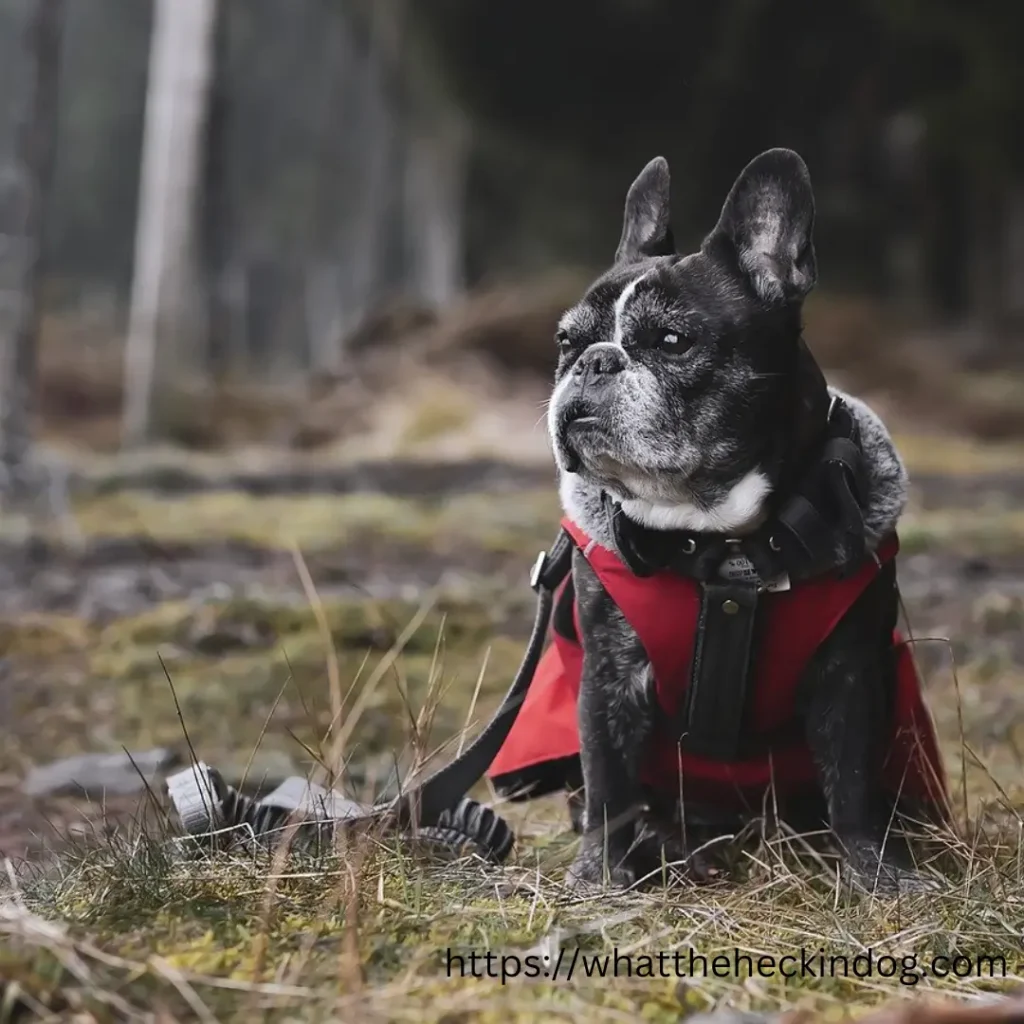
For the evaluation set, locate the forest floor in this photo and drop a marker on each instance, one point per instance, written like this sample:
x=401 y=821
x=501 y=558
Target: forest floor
x=179 y=585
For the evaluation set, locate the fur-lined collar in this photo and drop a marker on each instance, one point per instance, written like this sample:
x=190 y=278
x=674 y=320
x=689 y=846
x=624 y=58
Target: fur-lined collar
x=886 y=479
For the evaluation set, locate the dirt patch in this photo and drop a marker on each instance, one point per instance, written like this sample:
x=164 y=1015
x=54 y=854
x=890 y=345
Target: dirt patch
x=396 y=477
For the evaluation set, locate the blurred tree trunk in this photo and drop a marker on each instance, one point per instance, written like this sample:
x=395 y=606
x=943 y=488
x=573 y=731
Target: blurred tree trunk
x=361 y=131
x=1015 y=266
x=421 y=134
x=436 y=181
x=165 y=277
x=22 y=221
x=989 y=263
x=945 y=232
x=215 y=220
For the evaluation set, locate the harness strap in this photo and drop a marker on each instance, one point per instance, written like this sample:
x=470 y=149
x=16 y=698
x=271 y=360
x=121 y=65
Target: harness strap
x=807 y=529
x=817 y=529
x=711 y=720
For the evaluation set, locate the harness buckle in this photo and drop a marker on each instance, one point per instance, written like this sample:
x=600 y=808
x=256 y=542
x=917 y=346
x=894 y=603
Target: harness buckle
x=538 y=570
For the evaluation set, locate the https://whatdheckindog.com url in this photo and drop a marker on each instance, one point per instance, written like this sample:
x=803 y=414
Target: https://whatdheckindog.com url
x=570 y=963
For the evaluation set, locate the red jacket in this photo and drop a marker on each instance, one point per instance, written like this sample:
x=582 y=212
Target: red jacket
x=662 y=609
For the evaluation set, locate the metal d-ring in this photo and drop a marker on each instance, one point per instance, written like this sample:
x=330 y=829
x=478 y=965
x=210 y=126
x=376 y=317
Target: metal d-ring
x=774 y=544
x=689 y=546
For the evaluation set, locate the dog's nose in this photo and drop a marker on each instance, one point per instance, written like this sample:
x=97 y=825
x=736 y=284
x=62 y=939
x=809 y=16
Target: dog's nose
x=603 y=361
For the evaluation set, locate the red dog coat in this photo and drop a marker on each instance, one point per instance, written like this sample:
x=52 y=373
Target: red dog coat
x=662 y=609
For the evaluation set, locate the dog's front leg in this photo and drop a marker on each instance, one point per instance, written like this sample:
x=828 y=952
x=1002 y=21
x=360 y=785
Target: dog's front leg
x=614 y=722
x=848 y=718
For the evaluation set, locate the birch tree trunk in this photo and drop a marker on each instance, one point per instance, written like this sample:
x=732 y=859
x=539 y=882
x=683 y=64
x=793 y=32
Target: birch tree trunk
x=166 y=276
x=23 y=202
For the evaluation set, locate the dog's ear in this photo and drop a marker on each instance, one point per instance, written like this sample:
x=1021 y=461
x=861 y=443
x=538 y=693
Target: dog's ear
x=768 y=221
x=645 y=230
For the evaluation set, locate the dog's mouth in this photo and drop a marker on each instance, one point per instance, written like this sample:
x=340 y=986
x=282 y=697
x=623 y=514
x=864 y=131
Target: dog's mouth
x=577 y=415
x=576 y=420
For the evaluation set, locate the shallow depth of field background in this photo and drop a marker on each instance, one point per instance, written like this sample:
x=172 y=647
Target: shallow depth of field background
x=388 y=207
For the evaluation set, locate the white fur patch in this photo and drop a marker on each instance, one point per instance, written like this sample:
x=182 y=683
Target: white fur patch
x=620 y=307
x=738 y=510
x=643 y=680
x=552 y=417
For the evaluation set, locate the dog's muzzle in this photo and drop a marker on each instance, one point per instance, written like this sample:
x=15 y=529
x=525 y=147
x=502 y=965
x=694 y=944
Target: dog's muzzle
x=576 y=417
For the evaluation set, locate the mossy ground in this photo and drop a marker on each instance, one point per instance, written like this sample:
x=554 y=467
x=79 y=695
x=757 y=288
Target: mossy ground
x=122 y=922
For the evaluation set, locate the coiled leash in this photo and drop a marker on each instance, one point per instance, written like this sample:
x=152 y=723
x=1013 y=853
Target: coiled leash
x=437 y=811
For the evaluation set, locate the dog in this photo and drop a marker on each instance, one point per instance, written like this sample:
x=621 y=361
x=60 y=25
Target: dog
x=688 y=421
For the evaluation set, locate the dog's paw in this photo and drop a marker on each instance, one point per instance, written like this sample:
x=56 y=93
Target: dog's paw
x=593 y=870
x=889 y=882
x=661 y=850
x=868 y=870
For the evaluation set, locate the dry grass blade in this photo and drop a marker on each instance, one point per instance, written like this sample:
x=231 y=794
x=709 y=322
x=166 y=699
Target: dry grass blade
x=464 y=732
x=333 y=669
x=184 y=989
x=382 y=668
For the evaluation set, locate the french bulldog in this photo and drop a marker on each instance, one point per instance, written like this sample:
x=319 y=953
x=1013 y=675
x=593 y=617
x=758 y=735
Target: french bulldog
x=686 y=400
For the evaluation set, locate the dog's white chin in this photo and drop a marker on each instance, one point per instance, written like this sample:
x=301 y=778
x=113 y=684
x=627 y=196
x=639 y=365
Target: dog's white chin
x=740 y=511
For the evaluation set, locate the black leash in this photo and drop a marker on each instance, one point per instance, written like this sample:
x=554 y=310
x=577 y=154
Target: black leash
x=438 y=809
x=819 y=528
x=428 y=802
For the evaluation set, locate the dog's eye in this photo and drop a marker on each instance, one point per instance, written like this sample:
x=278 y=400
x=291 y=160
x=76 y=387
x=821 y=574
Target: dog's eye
x=563 y=341
x=670 y=340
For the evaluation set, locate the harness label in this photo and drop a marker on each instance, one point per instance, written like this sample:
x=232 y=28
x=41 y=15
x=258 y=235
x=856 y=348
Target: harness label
x=740 y=568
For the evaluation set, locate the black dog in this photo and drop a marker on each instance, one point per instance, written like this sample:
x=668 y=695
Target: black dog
x=691 y=425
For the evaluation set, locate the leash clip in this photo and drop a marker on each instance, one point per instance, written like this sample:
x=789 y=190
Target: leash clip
x=538 y=570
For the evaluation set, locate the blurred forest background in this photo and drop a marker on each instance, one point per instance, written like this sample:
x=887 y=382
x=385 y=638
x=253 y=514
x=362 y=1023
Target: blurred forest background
x=329 y=176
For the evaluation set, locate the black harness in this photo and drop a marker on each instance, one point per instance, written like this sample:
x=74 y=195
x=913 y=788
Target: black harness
x=817 y=528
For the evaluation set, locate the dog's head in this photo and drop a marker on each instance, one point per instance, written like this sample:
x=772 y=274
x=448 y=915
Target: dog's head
x=678 y=389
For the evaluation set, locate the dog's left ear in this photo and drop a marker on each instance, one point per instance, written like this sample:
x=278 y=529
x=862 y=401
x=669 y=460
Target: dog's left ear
x=645 y=228
x=768 y=222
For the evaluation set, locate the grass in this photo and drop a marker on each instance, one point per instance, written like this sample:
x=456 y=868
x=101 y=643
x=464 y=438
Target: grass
x=124 y=923
x=956 y=455
x=984 y=532
x=368 y=932
x=521 y=519
x=209 y=922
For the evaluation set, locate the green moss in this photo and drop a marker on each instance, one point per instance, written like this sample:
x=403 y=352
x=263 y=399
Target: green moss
x=438 y=413
x=964 y=531
x=42 y=635
x=231 y=665
x=511 y=521
x=957 y=456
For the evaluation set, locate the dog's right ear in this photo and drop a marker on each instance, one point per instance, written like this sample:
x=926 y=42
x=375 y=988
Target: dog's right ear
x=768 y=224
x=645 y=230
